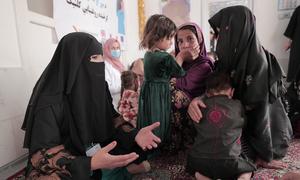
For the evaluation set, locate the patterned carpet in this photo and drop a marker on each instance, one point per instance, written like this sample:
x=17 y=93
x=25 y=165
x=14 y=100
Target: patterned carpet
x=172 y=167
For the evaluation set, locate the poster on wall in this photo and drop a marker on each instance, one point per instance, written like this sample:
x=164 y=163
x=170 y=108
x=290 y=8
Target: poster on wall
x=284 y=5
x=177 y=10
x=103 y=19
x=286 y=8
x=216 y=6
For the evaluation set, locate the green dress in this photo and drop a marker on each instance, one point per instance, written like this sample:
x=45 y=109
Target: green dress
x=155 y=99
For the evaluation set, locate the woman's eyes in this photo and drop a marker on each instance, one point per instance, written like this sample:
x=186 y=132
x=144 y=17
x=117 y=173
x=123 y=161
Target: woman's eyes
x=96 y=58
x=115 y=48
x=191 y=39
x=188 y=39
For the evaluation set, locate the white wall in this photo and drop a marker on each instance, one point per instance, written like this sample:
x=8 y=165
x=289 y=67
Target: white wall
x=132 y=51
x=35 y=46
x=270 y=29
x=268 y=26
x=36 y=42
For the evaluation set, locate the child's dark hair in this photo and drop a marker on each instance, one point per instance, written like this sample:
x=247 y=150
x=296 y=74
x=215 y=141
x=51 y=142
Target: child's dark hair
x=157 y=27
x=218 y=81
x=127 y=80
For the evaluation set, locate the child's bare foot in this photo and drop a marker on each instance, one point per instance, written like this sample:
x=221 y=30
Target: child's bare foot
x=139 y=168
x=291 y=176
x=245 y=176
x=274 y=164
x=199 y=176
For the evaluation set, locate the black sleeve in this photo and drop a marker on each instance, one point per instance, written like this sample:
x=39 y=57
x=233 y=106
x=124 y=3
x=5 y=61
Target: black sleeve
x=46 y=134
x=45 y=130
x=115 y=114
x=290 y=30
x=170 y=65
x=126 y=139
x=80 y=167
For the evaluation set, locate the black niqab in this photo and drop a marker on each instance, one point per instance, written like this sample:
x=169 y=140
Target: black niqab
x=71 y=79
x=257 y=79
x=293 y=32
x=241 y=54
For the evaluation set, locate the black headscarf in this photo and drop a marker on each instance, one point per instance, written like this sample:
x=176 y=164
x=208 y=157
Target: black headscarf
x=257 y=80
x=241 y=54
x=71 y=79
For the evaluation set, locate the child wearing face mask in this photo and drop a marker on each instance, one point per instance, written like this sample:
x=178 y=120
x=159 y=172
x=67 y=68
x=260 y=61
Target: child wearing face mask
x=113 y=68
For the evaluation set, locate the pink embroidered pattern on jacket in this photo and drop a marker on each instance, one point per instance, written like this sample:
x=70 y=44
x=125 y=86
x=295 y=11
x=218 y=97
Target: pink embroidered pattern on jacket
x=215 y=116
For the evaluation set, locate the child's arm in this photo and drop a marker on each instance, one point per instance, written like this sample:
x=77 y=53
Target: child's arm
x=171 y=65
x=182 y=55
x=179 y=60
x=191 y=53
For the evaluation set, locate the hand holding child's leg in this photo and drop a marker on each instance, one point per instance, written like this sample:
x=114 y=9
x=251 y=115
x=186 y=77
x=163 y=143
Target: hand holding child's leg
x=199 y=176
x=245 y=176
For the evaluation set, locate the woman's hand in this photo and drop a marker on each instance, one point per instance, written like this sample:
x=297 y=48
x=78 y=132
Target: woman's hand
x=103 y=160
x=194 y=109
x=145 y=137
x=195 y=51
x=287 y=44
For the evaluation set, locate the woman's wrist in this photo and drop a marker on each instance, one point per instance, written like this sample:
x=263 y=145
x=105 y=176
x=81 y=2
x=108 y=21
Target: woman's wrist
x=93 y=164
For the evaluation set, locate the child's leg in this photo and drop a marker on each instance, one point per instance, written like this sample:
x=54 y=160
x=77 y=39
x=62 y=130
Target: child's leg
x=245 y=176
x=290 y=176
x=139 y=168
x=199 y=176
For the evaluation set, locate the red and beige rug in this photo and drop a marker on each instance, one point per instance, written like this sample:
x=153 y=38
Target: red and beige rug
x=173 y=167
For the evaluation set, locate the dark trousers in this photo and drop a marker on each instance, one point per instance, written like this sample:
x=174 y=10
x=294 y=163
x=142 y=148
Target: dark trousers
x=219 y=168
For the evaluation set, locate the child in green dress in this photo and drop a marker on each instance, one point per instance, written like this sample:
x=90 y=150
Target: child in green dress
x=159 y=67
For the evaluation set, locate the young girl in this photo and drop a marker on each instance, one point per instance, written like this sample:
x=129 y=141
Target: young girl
x=159 y=66
x=128 y=106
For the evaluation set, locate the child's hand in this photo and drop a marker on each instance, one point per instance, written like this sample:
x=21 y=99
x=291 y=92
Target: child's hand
x=173 y=81
x=184 y=55
x=189 y=53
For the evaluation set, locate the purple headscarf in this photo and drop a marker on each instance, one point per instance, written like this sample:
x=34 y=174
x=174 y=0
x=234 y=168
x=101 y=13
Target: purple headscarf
x=193 y=84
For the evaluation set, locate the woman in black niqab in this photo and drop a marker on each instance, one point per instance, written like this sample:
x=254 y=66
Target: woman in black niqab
x=70 y=110
x=66 y=78
x=257 y=79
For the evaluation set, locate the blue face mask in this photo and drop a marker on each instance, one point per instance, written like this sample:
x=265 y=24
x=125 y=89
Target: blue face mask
x=116 y=53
